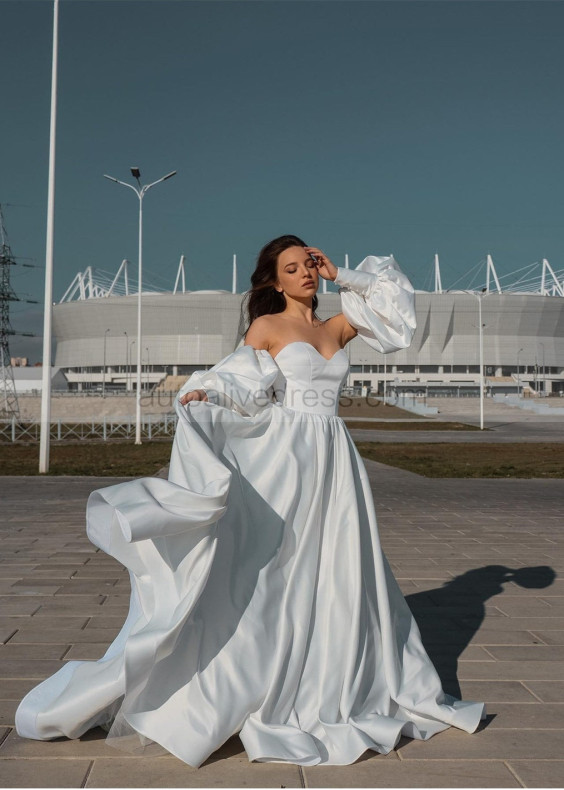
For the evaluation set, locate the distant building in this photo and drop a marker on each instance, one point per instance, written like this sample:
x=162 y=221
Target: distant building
x=29 y=379
x=523 y=335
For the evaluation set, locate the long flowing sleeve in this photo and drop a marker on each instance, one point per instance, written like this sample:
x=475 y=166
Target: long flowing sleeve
x=379 y=301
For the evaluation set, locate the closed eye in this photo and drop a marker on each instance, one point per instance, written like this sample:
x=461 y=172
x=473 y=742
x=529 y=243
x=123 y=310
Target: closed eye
x=310 y=264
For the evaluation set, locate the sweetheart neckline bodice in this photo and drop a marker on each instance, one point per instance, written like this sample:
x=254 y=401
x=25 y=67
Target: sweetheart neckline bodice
x=304 y=342
x=308 y=381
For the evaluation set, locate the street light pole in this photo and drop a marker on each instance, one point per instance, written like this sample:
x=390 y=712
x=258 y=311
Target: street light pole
x=104 y=366
x=479 y=298
x=543 y=373
x=45 y=434
x=147 y=377
x=481 y=336
x=126 y=359
x=481 y=352
x=518 y=375
x=140 y=191
x=130 y=358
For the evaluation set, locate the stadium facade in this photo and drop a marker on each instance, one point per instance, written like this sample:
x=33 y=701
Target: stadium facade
x=95 y=325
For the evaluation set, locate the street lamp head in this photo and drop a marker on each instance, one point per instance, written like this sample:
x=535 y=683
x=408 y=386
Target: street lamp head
x=170 y=175
x=135 y=172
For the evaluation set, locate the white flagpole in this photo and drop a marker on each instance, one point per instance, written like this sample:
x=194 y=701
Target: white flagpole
x=47 y=319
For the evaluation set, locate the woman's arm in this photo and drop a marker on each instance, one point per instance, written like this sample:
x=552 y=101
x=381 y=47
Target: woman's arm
x=258 y=334
x=328 y=271
x=377 y=300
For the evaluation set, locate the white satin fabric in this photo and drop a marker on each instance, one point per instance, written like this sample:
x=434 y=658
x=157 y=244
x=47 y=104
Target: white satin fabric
x=261 y=600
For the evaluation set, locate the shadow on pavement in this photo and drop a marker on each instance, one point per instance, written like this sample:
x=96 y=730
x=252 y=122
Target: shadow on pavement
x=449 y=616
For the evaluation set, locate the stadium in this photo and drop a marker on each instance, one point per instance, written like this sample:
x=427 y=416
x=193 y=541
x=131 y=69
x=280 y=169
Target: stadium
x=522 y=319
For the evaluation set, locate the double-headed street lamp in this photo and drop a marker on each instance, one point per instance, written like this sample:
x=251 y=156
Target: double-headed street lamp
x=140 y=191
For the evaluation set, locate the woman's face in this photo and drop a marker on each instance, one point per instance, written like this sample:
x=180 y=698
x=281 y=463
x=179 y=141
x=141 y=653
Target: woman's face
x=297 y=273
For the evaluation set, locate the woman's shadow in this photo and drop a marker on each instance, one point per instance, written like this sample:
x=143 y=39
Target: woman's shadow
x=449 y=616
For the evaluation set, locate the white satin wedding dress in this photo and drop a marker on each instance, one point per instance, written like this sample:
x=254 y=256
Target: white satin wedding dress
x=261 y=601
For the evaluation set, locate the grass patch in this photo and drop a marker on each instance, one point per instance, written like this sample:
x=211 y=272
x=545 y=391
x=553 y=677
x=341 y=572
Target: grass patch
x=470 y=460
x=125 y=459
x=102 y=459
x=428 y=425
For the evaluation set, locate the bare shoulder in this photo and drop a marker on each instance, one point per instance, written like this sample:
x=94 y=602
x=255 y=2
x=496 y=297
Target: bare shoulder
x=260 y=332
x=339 y=327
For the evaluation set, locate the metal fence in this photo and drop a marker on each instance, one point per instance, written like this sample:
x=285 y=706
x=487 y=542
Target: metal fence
x=101 y=429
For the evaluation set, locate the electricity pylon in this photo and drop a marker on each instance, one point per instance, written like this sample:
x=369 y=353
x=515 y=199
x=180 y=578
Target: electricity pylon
x=8 y=397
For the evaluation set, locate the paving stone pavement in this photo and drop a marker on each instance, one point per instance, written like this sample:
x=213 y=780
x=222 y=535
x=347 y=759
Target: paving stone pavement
x=481 y=563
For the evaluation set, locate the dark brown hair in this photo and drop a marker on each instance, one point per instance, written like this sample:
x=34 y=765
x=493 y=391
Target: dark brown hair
x=263 y=298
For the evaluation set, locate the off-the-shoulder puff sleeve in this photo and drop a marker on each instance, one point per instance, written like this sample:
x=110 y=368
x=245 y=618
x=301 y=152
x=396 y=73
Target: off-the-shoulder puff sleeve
x=379 y=301
x=245 y=381
x=195 y=494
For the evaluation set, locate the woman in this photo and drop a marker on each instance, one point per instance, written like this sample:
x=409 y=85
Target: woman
x=261 y=600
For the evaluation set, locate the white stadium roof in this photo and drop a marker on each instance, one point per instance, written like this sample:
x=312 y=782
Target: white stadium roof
x=536 y=278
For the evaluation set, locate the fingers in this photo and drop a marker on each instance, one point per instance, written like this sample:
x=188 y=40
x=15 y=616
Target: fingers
x=193 y=395
x=318 y=254
x=326 y=265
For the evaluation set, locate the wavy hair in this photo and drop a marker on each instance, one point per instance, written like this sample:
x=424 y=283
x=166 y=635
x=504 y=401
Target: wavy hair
x=263 y=298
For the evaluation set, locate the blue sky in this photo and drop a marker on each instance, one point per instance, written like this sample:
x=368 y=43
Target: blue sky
x=363 y=126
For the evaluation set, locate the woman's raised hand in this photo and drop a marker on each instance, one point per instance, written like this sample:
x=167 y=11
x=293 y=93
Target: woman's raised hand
x=193 y=395
x=325 y=267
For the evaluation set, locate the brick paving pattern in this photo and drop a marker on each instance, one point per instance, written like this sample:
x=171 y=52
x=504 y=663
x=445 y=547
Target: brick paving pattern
x=481 y=563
